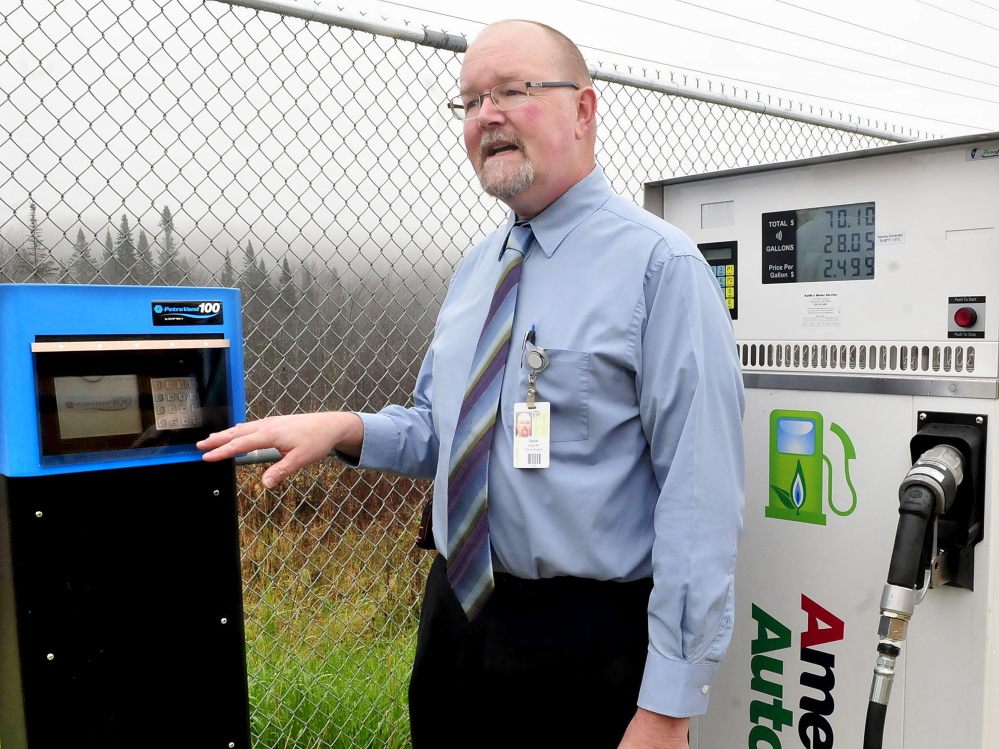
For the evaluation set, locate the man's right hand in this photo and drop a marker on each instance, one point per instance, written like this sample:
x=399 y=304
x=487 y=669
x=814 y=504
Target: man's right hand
x=301 y=439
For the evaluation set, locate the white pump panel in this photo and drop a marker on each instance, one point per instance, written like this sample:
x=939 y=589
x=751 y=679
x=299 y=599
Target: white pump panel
x=865 y=292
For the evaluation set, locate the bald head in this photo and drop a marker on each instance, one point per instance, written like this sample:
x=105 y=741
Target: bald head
x=564 y=54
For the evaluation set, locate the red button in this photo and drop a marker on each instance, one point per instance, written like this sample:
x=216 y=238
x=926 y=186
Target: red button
x=965 y=317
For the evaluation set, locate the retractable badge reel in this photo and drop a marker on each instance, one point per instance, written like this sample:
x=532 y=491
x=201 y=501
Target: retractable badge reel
x=536 y=360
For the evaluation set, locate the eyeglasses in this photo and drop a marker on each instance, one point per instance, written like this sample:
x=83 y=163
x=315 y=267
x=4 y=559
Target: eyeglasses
x=505 y=96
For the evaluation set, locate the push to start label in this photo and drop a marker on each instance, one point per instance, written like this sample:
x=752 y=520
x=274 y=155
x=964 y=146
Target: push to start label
x=187 y=313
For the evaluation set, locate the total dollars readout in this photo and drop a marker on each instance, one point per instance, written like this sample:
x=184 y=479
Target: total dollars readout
x=844 y=243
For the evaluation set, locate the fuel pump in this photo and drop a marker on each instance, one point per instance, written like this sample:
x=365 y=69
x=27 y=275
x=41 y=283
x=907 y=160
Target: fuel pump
x=863 y=291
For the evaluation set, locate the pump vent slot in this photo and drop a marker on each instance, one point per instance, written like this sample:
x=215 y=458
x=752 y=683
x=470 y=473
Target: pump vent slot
x=900 y=358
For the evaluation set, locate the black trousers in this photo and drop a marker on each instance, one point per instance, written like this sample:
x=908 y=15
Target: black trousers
x=546 y=663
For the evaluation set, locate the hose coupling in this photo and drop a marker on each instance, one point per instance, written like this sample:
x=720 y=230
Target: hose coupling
x=941 y=470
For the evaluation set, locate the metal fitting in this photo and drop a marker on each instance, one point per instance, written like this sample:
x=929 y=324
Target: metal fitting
x=892 y=628
x=898 y=601
x=941 y=470
x=884 y=675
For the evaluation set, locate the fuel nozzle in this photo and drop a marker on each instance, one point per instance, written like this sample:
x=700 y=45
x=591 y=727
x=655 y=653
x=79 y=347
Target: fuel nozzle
x=927 y=490
x=941 y=508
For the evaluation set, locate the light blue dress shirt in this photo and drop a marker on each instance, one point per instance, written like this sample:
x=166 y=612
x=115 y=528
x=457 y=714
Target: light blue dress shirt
x=646 y=475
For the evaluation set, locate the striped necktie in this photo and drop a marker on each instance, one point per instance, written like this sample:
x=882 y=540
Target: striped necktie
x=469 y=557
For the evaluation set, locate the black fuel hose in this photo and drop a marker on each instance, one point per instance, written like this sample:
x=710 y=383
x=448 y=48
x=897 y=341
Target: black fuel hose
x=874 y=726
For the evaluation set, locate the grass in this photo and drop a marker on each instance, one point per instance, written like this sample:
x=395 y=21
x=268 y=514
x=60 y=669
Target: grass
x=331 y=589
x=352 y=697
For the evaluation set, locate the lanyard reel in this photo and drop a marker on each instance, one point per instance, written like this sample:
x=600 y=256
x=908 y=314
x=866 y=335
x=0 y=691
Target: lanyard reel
x=537 y=360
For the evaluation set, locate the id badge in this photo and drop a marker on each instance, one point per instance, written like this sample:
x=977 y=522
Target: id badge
x=531 y=430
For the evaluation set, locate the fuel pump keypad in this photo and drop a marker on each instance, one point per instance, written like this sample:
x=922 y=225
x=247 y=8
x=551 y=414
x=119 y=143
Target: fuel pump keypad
x=722 y=258
x=176 y=403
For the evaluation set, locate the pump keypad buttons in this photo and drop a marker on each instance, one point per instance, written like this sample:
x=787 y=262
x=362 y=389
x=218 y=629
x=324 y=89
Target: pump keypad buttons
x=723 y=259
x=176 y=403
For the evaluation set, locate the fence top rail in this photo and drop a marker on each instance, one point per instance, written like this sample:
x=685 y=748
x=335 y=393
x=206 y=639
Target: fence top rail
x=314 y=11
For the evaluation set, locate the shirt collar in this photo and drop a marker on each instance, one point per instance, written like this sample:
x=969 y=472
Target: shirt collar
x=577 y=204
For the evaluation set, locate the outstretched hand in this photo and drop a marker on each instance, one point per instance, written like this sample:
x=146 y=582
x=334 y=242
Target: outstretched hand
x=301 y=439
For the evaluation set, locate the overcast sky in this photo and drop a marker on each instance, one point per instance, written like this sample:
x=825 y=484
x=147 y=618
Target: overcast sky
x=115 y=108
x=923 y=64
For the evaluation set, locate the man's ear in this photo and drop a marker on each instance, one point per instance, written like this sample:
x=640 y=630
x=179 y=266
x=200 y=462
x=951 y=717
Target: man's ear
x=586 y=112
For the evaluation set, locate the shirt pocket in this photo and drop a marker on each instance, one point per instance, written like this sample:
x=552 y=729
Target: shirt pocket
x=565 y=384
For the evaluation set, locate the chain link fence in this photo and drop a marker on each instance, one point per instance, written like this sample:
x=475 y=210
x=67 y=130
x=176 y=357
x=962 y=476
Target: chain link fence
x=187 y=142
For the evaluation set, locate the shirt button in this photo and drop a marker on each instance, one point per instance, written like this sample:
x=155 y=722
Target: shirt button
x=705 y=689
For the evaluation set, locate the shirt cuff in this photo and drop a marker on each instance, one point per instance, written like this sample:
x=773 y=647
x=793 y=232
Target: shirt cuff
x=380 y=449
x=674 y=688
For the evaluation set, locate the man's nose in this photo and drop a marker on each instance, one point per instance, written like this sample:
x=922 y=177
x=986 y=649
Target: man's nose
x=489 y=113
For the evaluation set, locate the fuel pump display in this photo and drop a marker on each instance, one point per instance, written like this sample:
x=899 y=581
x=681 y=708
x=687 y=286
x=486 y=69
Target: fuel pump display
x=120 y=586
x=868 y=330
x=833 y=243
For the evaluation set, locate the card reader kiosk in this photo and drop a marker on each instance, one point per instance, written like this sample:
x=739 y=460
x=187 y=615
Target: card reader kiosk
x=121 y=618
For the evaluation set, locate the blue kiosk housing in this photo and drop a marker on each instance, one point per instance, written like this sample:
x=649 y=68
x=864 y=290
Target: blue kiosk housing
x=121 y=620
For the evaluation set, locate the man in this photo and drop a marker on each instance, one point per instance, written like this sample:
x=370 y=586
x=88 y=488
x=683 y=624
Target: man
x=523 y=427
x=629 y=349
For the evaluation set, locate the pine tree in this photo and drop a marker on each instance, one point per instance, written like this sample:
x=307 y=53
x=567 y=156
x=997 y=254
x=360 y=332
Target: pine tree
x=253 y=276
x=227 y=278
x=249 y=258
x=288 y=290
x=145 y=271
x=266 y=292
x=169 y=270
x=82 y=268
x=40 y=265
x=124 y=250
x=111 y=270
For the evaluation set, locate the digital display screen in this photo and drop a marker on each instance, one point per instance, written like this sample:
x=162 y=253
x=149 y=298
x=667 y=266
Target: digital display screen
x=718 y=253
x=97 y=397
x=830 y=243
x=98 y=406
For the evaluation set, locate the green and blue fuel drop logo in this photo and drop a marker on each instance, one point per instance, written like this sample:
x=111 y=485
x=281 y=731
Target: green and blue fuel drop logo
x=796 y=460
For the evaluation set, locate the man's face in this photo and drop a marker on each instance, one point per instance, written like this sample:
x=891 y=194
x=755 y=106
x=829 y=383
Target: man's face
x=523 y=425
x=528 y=156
